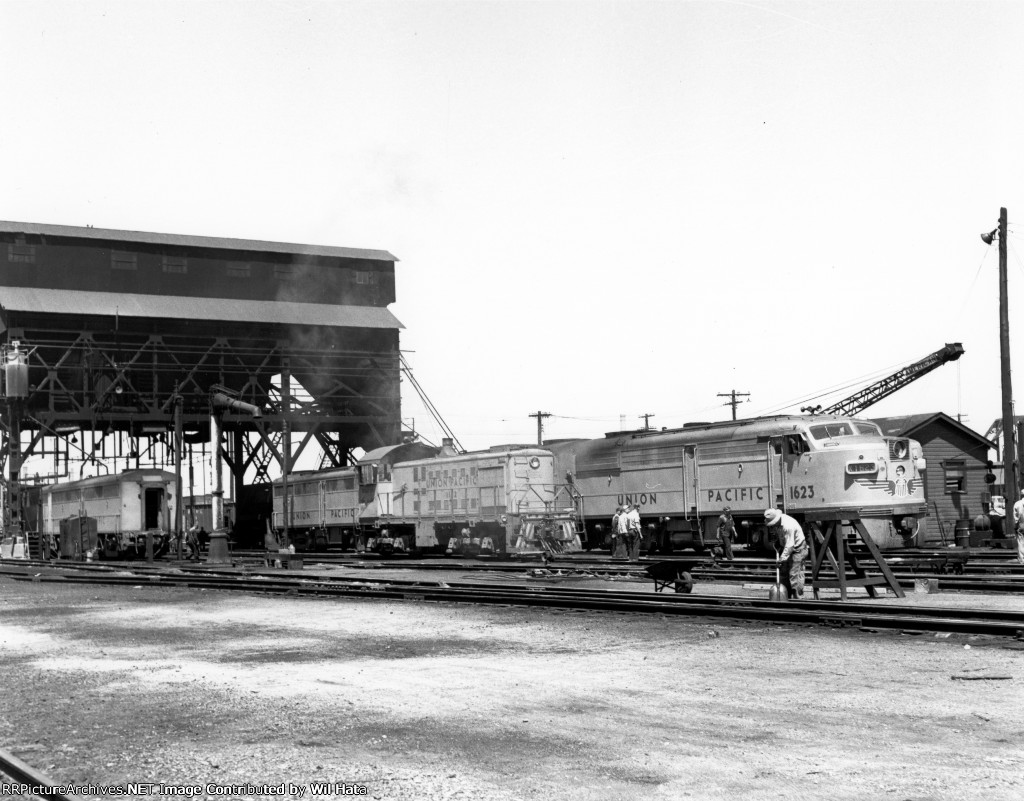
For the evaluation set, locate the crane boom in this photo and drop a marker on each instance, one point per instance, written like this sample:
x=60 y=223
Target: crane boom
x=868 y=396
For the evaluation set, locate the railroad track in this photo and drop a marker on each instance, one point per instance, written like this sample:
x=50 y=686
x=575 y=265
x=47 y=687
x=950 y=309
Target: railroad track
x=29 y=782
x=862 y=615
x=740 y=571
x=1007 y=580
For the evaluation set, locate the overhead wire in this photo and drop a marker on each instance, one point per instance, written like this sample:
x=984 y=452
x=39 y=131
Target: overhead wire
x=434 y=412
x=970 y=289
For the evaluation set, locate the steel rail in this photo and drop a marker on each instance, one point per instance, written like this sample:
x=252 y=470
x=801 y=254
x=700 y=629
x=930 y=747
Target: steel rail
x=861 y=615
x=754 y=572
x=38 y=785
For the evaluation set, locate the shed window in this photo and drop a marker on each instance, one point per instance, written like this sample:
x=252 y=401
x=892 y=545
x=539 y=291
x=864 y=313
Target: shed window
x=21 y=254
x=363 y=277
x=175 y=264
x=954 y=472
x=123 y=260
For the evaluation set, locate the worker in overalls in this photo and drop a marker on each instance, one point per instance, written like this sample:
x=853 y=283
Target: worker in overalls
x=792 y=543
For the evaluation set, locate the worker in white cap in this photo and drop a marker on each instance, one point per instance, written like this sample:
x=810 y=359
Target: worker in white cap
x=790 y=539
x=633 y=533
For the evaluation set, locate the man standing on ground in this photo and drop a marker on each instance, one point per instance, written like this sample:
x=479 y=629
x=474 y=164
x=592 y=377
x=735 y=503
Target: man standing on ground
x=634 y=534
x=1018 y=526
x=726 y=532
x=622 y=540
x=791 y=541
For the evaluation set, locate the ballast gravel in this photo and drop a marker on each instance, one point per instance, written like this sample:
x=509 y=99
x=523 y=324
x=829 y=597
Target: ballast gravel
x=189 y=693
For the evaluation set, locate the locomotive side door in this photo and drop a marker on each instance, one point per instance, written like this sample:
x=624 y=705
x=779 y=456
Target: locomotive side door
x=777 y=473
x=785 y=456
x=154 y=508
x=691 y=483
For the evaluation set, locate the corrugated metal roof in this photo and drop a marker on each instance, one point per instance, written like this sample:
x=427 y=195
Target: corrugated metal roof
x=177 y=307
x=179 y=240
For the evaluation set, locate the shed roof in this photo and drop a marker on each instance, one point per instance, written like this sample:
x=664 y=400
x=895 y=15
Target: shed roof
x=180 y=240
x=177 y=307
x=908 y=424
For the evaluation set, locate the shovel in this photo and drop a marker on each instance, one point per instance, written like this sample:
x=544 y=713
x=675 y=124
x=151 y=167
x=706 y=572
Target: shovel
x=777 y=592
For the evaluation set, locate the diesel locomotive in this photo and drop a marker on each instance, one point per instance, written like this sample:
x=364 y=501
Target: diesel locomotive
x=127 y=508
x=813 y=467
x=414 y=497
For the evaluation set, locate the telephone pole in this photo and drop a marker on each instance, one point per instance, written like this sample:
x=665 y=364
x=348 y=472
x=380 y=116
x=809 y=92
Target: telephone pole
x=647 y=424
x=1009 y=451
x=540 y=425
x=733 y=395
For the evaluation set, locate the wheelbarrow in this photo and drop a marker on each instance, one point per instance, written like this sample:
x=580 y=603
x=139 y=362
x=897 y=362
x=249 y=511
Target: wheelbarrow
x=675 y=573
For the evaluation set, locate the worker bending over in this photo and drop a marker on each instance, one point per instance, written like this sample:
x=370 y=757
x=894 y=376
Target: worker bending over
x=790 y=540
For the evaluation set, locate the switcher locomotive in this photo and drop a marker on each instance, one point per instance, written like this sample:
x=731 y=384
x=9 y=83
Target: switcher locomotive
x=413 y=497
x=128 y=507
x=812 y=467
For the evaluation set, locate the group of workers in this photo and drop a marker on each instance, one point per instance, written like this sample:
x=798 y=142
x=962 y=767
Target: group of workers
x=626 y=533
x=791 y=544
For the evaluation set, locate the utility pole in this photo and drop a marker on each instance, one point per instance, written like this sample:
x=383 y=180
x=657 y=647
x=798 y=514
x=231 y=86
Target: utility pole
x=647 y=417
x=540 y=425
x=733 y=395
x=1009 y=451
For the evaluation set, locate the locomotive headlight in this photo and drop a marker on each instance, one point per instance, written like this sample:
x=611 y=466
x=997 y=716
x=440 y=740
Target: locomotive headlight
x=534 y=462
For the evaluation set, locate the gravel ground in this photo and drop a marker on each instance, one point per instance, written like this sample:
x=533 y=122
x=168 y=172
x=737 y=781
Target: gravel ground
x=414 y=700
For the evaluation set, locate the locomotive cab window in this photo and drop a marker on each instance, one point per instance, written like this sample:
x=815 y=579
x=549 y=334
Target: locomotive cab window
x=832 y=430
x=790 y=445
x=367 y=474
x=796 y=444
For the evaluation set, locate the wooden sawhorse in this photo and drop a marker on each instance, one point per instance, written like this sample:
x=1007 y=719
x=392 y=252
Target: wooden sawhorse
x=827 y=541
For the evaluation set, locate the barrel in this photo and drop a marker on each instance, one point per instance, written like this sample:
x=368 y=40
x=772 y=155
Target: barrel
x=963 y=534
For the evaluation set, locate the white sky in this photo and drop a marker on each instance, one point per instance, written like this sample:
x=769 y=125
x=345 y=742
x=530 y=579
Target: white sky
x=601 y=209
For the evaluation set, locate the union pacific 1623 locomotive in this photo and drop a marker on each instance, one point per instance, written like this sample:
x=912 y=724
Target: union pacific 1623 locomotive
x=812 y=467
x=127 y=507
x=411 y=496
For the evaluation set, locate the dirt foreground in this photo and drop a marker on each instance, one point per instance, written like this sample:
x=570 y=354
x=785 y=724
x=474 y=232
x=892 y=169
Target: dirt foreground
x=231 y=696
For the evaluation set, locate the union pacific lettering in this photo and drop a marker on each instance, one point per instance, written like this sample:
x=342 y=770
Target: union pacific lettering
x=443 y=479
x=736 y=494
x=639 y=498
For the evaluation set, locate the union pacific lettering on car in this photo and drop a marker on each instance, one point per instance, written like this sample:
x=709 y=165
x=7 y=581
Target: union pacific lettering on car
x=414 y=496
x=813 y=467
